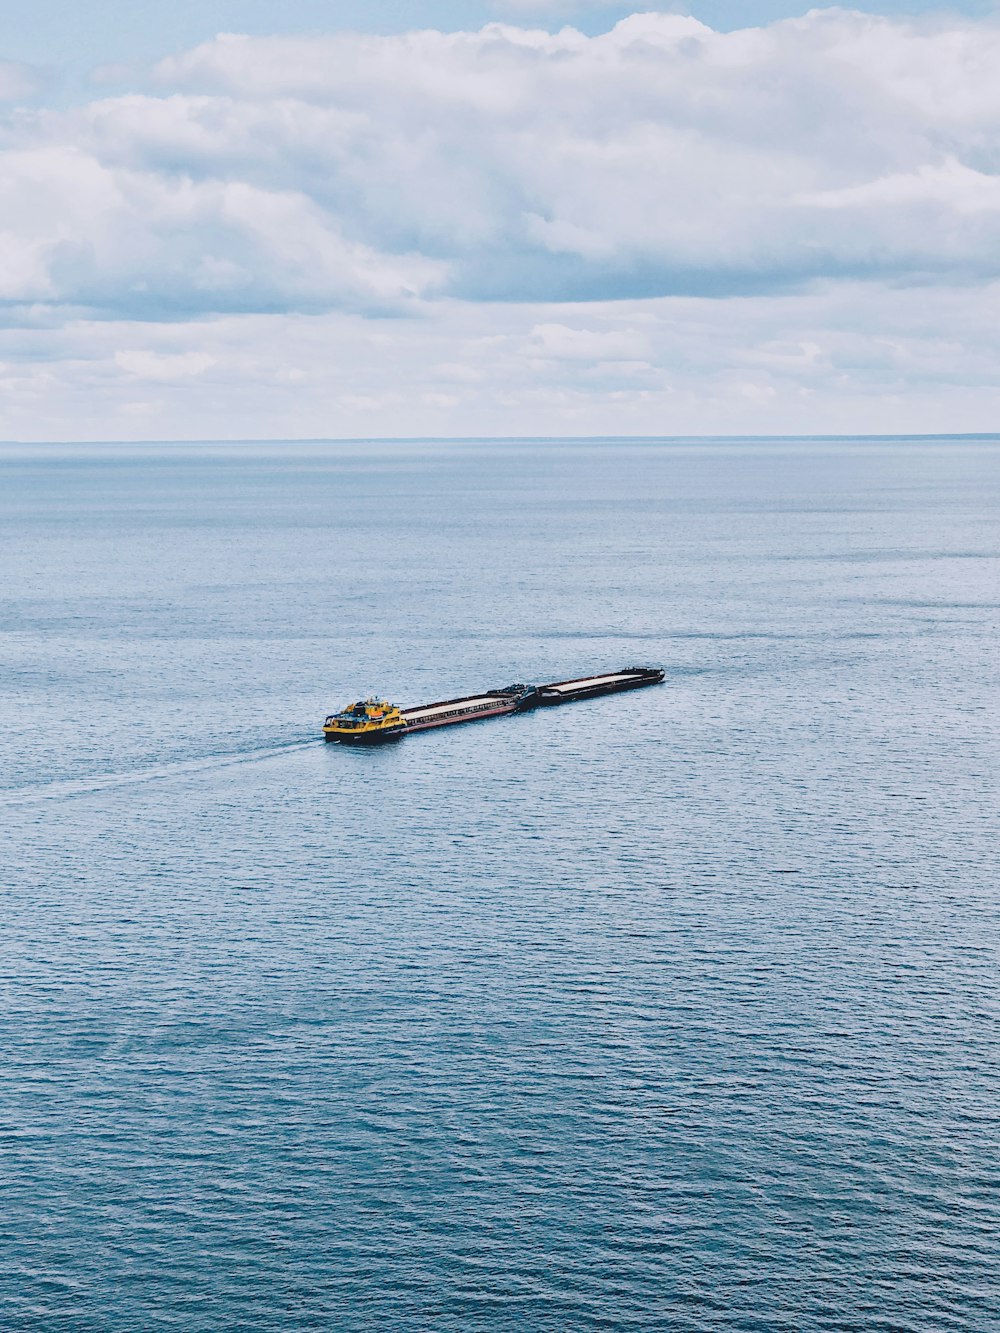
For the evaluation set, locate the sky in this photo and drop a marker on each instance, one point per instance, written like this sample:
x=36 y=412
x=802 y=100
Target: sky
x=324 y=219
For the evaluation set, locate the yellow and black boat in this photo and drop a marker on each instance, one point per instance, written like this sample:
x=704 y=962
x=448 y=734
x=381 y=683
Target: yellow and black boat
x=368 y=722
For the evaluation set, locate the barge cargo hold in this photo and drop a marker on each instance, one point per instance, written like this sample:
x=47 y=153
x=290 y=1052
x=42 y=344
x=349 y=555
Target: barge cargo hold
x=588 y=687
x=508 y=700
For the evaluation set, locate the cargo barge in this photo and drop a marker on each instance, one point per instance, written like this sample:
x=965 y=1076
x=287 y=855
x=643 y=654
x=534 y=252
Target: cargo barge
x=588 y=687
x=511 y=699
x=374 y=721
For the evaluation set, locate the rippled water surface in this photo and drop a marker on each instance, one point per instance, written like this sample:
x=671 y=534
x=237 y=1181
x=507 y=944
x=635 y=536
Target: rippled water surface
x=672 y=1010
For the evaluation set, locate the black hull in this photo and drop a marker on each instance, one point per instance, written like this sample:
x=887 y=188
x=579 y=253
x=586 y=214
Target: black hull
x=370 y=738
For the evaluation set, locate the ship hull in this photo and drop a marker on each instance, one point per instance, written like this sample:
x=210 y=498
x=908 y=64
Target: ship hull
x=366 y=737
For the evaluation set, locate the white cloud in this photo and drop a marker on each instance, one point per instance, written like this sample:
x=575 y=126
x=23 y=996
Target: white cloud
x=646 y=228
x=159 y=366
x=562 y=343
x=365 y=172
x=850 y=357
x=948 y=185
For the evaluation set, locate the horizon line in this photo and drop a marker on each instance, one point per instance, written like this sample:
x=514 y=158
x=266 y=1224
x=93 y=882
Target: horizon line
x=516 y=439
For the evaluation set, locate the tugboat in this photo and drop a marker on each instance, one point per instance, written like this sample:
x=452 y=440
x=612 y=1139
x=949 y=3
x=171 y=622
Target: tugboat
x=368 y=722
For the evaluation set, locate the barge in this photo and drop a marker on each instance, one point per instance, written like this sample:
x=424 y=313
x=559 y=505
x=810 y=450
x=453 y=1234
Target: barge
x=511 y=699
x=588 y=687
x=374 y=721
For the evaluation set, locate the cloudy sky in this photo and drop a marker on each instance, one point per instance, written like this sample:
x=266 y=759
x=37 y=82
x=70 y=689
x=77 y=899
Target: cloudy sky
x=240 y=219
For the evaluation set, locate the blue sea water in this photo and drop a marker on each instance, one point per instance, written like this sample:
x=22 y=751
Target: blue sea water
x=672 y=1010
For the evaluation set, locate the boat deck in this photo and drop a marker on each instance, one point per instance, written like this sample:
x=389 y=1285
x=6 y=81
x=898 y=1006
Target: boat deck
x=568 y=686
x=428 y=711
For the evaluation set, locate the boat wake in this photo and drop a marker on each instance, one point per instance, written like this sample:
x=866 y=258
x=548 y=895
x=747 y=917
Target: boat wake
x=67 y=788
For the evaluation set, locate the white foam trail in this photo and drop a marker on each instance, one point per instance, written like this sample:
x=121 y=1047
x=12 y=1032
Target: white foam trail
x=66 y=788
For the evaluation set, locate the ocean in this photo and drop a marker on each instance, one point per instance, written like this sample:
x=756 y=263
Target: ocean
x=671 y=1010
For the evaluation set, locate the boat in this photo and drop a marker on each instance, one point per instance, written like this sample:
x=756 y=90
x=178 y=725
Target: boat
x=588 y=687
x=368 y=722
x=373 y=721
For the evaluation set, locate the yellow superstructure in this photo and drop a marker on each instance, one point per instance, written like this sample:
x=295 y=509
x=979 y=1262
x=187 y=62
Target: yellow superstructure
x=365 y=722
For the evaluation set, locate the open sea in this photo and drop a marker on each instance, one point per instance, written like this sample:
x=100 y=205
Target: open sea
x=672 y=1010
